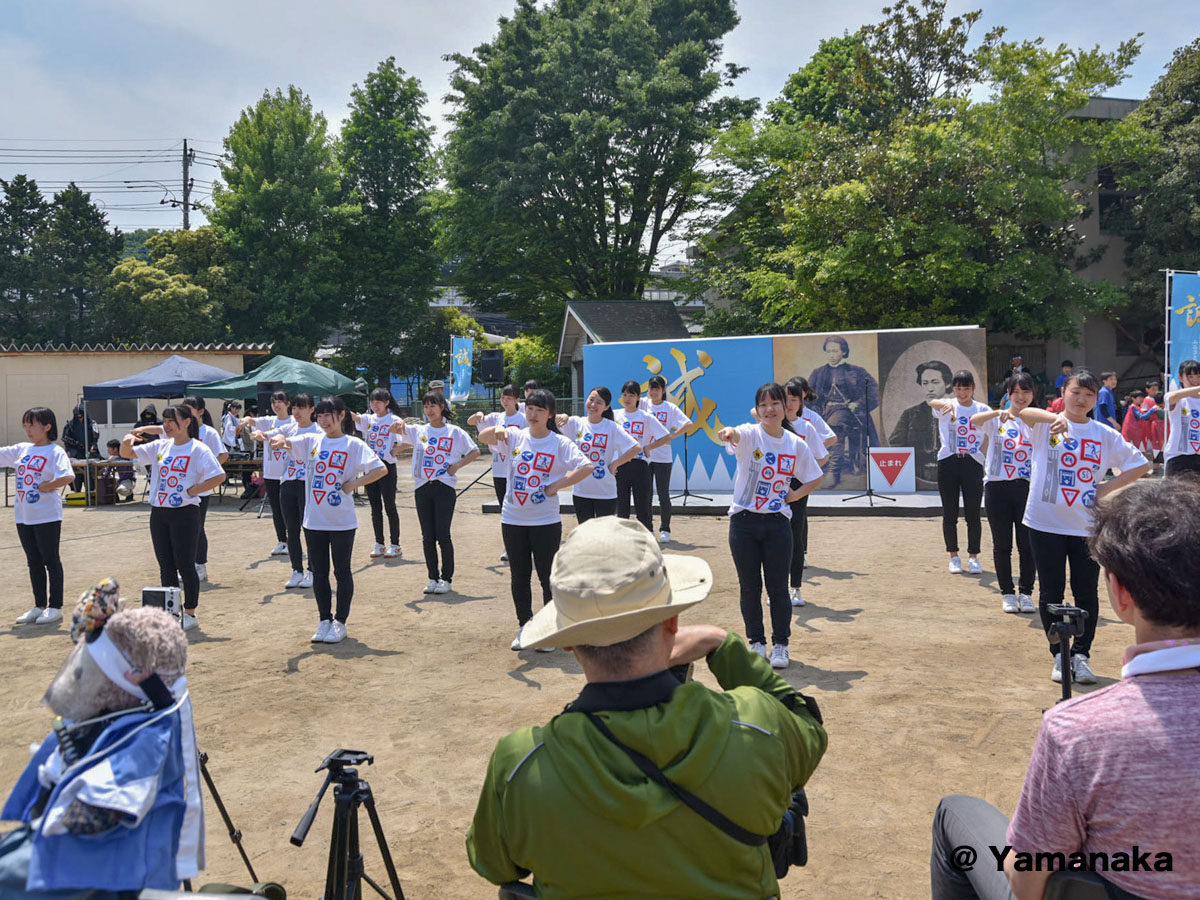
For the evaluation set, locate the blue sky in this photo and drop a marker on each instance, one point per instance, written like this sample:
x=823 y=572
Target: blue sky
x=136 y=75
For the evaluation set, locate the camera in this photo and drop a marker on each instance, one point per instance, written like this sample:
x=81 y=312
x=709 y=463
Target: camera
x=169 y=599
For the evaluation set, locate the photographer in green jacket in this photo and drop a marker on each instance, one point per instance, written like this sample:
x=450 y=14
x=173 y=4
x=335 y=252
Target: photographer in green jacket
x=567 y=803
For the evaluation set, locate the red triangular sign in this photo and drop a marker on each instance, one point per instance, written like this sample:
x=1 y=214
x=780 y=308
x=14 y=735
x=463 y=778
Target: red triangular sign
x=428 y=472
x=1195 y=446
x=1010 y=471
x=759 y=501
x=1071 y=495
x=521 y=496
x=162 y=498
x=896 y=460
x=319 y=495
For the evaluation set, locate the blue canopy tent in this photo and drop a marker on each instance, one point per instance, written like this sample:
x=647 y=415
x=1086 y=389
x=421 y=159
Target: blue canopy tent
x=170 y=378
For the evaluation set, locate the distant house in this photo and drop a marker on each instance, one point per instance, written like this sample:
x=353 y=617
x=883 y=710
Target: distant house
x=601 y=321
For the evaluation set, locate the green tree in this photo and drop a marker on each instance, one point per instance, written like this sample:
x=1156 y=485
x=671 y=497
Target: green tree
x=280 y=207
x=144 y=304
x=135 y=242
x=203 y=256
x=425 y=351
x=577 y=137
x=24 y=214
x=388 y=246
x=532 y=356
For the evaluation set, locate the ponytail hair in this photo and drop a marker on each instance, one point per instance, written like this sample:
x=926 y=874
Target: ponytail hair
x=336 y=406
x=632 y=387
x=198 y=403
x=772 y=390
x=436 y=399
x=383 y=395
x=183 y=412
x=606 y=396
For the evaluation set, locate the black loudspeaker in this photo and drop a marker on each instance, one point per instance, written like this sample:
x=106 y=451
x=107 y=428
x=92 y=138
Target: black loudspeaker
x=265 y=390
x=491 y=366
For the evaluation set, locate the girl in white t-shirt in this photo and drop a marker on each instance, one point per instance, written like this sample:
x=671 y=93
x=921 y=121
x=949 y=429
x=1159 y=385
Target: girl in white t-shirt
x=376 y=428
x=274 y=461
x=607 y=445
x=662 y=457
x=1071 y=454
x=511 y=416
x=635 y=476
x=231 y=417
x=1182 y=449
x=1009 y=444
x=440 y=450
x=335 y=465
x=182 y=471
x=541 y=462
x=769 y=455
x=818 y=444
x=42 y=468
x=960 y=468
x=292 y=488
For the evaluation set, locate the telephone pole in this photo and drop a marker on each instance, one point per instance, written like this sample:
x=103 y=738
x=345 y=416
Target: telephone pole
x=188 y=155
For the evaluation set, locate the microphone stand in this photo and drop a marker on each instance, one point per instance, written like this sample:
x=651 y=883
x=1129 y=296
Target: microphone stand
x=687 y=475
x=865 y=448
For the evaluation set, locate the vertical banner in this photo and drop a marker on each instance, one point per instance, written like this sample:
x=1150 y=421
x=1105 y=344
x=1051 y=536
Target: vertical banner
x=461 y=350
x=1184 y=316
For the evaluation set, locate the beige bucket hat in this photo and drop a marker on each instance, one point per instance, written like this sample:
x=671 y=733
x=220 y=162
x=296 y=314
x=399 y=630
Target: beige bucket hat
x=609 y=583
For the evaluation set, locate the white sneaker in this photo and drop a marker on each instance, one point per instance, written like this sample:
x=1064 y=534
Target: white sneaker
x=1026 y=603
x=322 y=632
x=543 y=649
x=30 y=617
x=1081 y=672
x=664 y=537
x=49 y=615
x=336 y=633
x=974 y=567
x=516 y=644
x=431 y=588
x=779 y=657
x=202 y=571
x=392 y=551
x=281 y=549
x=294 y=580
x=504 y=556
x=806 y=562
x=189 y=622
x=306 y=581
x=377 y=551
x=1009 y=604
x=797 y=599
x=759 y=648
x=1056 y=672
x=955 y=566
x=441 y=587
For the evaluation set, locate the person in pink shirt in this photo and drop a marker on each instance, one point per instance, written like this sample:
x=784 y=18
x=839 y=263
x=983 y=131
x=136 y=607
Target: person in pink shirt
x=1114 y=775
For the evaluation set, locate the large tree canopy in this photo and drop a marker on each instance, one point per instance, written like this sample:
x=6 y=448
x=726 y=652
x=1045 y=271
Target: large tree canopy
x=577 y=135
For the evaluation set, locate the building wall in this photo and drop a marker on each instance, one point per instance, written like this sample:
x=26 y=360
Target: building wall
x=56 y=380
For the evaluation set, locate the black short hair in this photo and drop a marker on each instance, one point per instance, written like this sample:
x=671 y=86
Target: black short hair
x=510 y=390
x=1104 y=376
x=1145 y=536
x=113 y=443
x=543 y=399
x=532 y=384
x=305 y=400
x=939 y=366
x=1189 y=367
x=1067 y=362
x=43 y=415
x=840 y=341
x=963 y=378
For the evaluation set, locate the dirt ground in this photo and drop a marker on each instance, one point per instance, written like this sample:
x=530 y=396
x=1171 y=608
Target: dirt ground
x=927 y=687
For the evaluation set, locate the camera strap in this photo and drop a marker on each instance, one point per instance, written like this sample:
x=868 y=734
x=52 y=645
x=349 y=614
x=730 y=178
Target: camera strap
x=655 y=774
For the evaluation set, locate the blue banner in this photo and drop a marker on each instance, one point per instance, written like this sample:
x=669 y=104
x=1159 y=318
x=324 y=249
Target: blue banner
x=711 y=380
x=1185 y=321
x=461 y=351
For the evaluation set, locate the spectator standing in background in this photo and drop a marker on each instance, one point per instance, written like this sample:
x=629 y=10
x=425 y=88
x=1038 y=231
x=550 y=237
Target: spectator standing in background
x=1106 y=405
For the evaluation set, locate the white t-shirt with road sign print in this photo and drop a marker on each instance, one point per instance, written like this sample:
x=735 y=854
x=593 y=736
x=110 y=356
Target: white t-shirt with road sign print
x=499 y=450
x=533 y=464
x=210 y=439
x=435 y=450
x=274 y=461
x=1183 y=429
x=1009 y=448
x=294 y=469
x=641 y=426
x=670 y=417
x=176 y=467
x=1066 y=470
x=959 y=436
x=34 y=465
x=824 y=432
x=331 y=462
x=377 y=432
x=765 y=468
x=601 y=444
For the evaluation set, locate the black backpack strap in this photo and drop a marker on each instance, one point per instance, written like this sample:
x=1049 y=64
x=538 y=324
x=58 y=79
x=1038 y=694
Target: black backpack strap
x=655 y=774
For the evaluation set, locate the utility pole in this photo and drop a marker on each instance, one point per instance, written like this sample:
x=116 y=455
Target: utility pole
x=188 y=155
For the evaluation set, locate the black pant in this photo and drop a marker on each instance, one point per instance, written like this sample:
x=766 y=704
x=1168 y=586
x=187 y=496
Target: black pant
x=1052 y=552
x=799 y=539
x=40 y=543
x=175 y=536
x=1005 y=509
x=591 y=508
x=382 y=494
x=273 y=488
x=1183 y=465
x=201 y=537
x=500 y=486
x=662 y=481
x=634 y=476
x=292 y=496
x=762 y=552
x=435 y=511
x=321 y=546
x=955 y=474
x=530 y=546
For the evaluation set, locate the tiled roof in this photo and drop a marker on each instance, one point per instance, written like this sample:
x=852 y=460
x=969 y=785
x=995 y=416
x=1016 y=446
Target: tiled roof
x=255 y=348
x=624 y=320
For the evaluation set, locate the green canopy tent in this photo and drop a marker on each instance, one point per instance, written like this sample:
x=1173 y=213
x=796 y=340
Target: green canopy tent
x=296 y=376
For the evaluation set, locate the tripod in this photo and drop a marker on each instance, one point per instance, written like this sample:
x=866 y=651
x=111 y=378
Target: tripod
x=865 y=450
x=235 y=833
x=687 y=475
x=345 y=872
x=1069 y=625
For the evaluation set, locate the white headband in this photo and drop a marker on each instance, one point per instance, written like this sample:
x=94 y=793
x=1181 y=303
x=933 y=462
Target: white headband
x=114 y=665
